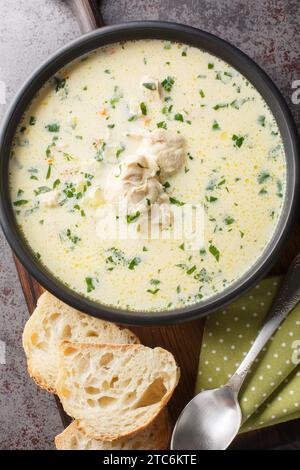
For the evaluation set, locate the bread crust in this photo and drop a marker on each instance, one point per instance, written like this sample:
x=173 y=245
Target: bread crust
x=48 y=304
x=155 y=437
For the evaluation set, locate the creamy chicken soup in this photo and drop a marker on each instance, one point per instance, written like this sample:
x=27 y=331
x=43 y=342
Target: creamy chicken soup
x=148 y=122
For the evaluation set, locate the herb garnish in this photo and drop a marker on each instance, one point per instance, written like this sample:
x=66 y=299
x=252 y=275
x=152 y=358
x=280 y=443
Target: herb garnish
x=178 y=117
x=238 y=140
x=118 y=94
x=70 y=191
x=132 y=217
x=73 y=238
x=191 y=270
x=153 y=291
x=237 y=104
x=263 y=176
x=220 y=106
x=143 y=109
x=67 y=156
x=214 y=251
x=150 y=85
x=224 y=77
x=89 y=284
x=59 y=83
x=279 y=189
x=167 y=110
x=115 y=258
x=54 y=127
x=100 y=151
x=263 y=191
x=175 y=201
x=162 y=125
x=48 y=174
x=42 y=190
x=120 y=150
x=48 y=149
x=211 y=198
x=229 y=220
x=168 y=83
x=134 y=262
x=20 y=202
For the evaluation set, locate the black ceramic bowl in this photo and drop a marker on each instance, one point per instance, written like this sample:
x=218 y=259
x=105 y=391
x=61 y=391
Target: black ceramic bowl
x=171 y=32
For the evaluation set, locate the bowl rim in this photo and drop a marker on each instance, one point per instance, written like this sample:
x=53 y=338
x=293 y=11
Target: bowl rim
x=170 y=32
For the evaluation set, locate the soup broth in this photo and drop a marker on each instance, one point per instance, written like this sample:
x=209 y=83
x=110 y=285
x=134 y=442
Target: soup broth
x=93 y=117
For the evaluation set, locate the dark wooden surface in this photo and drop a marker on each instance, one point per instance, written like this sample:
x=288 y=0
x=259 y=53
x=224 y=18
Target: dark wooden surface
x=184 y=342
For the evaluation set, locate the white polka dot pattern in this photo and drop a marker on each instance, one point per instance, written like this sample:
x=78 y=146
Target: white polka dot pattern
x=271 y=393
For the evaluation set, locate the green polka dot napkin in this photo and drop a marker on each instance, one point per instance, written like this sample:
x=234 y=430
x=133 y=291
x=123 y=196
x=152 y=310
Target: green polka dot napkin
x=271 y=391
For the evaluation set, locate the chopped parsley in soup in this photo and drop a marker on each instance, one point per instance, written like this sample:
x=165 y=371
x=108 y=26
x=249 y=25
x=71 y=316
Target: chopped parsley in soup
x=147 y=122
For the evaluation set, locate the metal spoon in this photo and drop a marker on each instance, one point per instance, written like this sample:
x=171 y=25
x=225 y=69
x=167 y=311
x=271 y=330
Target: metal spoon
x=211 y=420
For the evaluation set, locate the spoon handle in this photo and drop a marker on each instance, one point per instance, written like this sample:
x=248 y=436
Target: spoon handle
x=286 y=299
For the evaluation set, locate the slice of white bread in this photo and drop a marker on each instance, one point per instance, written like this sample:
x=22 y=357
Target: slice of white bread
x=156 y=436
x=52 y=322
x=114 y=390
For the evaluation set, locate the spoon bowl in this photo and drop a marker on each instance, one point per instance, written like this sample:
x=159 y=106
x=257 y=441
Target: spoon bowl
x=209 y=421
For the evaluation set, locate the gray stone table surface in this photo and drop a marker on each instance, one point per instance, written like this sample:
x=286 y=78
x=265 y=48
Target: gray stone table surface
x=268 y=30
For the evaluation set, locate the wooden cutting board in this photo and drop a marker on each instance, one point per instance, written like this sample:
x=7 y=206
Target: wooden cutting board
x=184 y=340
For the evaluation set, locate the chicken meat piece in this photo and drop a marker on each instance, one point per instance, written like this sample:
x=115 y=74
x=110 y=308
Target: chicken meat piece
x=151 y=88
x=166 y=149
